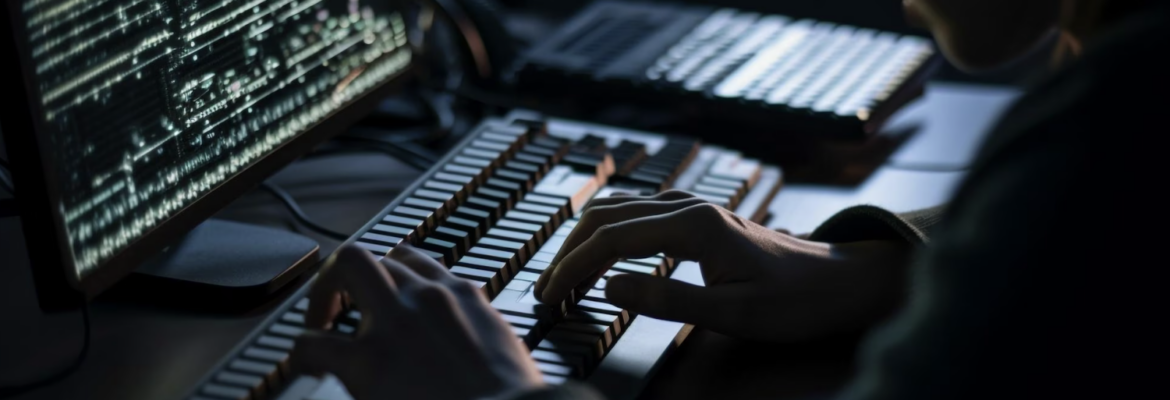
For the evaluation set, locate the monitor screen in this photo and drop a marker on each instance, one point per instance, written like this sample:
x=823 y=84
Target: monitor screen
x=142 y=107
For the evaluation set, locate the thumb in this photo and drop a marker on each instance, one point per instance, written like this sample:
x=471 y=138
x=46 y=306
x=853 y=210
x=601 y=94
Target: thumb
x=318 y=352
x=670 y=299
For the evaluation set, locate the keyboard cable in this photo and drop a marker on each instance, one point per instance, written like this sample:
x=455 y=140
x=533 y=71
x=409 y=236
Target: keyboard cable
x=16 y=390
x=291 y=204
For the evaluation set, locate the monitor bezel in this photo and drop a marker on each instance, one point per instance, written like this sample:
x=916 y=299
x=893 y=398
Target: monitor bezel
x=58 y=287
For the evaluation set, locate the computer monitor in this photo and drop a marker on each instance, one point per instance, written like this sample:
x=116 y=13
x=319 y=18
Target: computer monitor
x=129 y=122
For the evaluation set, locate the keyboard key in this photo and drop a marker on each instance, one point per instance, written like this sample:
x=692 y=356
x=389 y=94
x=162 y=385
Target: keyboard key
x=426 y=205
x=446 y=250
x=260 y=354
x=544 y=221
x=391 y=231
x=570 y=350
x=377 y=249
x=252 y=382
x=541 y=160
x=528 y=240
x=482 y=219
x=416 y=225
x=473 y=228
x=491 y=206
x=495 y=157
x=502 y=245
x=513 y=189
x=495 y=266
x=494 y=280
x=448 y=199
x=634 y=268
x=521 y=178
x=554 y=379
x=562 y=205
x=509 y=302
x=466 y=177
x=498 y=195
x=735 y=167
x=555 y=369
x=286 y=330
x=509 y=257
x=454 y=183
x=270 y=372
x=278 y=343
x=534 y=170
x=462 y=239
x=526 y=227
x=294 y=318
x=381 y=239
x=226 y=392
x=428 y=217
x=472 y=162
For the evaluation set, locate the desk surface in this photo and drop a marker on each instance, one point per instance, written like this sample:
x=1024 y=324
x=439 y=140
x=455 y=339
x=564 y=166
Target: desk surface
x=138 y=352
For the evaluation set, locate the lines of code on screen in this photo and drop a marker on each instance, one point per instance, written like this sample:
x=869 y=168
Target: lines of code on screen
x=148 y=104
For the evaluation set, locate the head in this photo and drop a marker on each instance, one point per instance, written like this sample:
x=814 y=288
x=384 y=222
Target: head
x=983 y=34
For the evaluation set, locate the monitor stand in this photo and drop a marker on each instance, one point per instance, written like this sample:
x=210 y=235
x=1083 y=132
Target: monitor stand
x=221 y=266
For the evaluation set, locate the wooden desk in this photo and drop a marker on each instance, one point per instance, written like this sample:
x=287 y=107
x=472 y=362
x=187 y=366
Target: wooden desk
x=139 y=352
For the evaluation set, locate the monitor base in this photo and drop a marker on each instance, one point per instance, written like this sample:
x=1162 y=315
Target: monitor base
x=221 y=266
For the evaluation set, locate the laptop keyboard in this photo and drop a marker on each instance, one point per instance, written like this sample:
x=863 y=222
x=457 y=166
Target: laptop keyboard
x=495 y=211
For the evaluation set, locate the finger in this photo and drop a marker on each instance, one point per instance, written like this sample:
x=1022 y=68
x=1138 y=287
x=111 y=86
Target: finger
x=684 y=233
x=317 y=352
x=353 y=270
x=402 y=275
x=418 y=262
x=672 y=300
x=622 y=197
x=599 y=216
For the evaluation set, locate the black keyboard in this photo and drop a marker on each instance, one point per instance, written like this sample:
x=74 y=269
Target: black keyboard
x=495 y=211
x=799 y=76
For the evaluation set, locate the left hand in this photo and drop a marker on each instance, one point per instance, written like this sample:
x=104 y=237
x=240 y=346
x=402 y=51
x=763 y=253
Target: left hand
x=424 y=332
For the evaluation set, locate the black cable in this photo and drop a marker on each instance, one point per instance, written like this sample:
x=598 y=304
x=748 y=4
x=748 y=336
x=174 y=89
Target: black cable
x=442 y=111
x=299 y=214
x=15 y=390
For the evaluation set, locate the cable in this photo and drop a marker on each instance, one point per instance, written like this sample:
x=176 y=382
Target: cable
x=15 y=390
x=411 y=156
x=299 y=214
x=444 y=115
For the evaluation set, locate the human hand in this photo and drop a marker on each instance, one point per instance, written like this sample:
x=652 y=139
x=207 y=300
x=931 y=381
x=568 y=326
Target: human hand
x=760 y=284
x=424 y=332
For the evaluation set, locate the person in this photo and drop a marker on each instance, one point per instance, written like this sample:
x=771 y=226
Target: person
x=1037 y=280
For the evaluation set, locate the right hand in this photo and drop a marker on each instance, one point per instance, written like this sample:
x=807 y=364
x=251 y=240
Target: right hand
x=759 y=283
